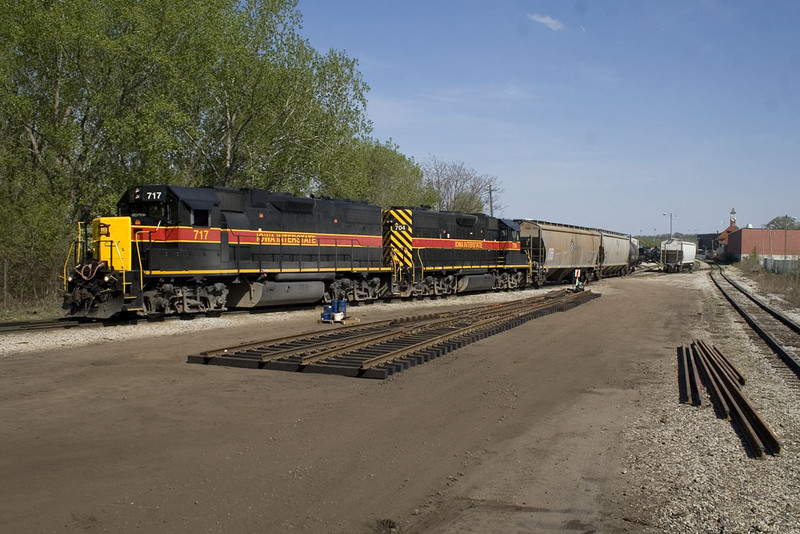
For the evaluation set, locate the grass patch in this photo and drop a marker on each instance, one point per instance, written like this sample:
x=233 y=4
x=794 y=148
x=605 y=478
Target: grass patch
x=41 y=310
x=786 y=285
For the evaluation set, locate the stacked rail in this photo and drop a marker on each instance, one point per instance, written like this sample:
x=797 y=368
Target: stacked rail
x=381 y=348
x=702 y=365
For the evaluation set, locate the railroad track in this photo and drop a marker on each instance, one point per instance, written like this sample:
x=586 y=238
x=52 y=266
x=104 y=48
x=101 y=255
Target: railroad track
x=780 y=333
x=379 y=349
x=16 y=327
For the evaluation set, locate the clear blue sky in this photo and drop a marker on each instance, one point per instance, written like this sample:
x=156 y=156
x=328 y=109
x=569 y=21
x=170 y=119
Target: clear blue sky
x=596 y=113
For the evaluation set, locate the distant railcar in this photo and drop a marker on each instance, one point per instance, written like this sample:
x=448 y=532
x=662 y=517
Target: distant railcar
x=677 y=255
x=633 y=257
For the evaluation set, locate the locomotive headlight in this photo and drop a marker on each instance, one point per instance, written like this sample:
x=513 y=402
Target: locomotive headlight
x=106 y=278
x=69 y=278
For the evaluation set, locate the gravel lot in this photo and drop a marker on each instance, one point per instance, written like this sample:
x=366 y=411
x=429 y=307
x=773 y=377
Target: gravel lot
x=568 y=423
x=688 y=470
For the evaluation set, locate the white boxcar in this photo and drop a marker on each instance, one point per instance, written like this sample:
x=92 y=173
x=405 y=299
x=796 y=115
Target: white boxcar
x=677 y=255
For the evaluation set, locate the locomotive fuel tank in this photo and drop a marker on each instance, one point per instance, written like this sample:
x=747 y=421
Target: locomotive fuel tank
x=257 y=294
x=475 y=282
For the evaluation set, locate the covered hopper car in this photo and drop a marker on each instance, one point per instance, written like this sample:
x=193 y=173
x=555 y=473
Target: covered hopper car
x=677 y=255
x=558 y=251
x=615 y=253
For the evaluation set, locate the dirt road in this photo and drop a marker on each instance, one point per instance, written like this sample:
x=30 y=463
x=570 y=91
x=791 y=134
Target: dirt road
x=520 y=432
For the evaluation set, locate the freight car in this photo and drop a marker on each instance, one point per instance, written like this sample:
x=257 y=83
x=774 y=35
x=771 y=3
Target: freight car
x=558 y=251
x=677 y=255
x=182 y=250
x=655 y=255
x=615 y=251
x=634 y=257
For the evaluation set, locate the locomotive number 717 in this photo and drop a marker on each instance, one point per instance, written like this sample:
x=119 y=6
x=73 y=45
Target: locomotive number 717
x=201 y=234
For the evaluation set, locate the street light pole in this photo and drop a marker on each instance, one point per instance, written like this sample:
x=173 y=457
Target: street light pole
x=670 y=224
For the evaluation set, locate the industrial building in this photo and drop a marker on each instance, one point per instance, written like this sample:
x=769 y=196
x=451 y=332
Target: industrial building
x=764 y=242
x=778 y=249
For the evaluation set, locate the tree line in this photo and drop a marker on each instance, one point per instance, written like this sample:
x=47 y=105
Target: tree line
x=100 y=95
x=784 y=222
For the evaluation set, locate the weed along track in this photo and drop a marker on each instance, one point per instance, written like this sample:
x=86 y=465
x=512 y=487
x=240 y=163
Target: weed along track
x=382 y=348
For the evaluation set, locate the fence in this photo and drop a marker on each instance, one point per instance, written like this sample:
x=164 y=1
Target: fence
x=781 y=266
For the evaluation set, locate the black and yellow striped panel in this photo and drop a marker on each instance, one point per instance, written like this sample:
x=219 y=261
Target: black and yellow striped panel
x=397 y=237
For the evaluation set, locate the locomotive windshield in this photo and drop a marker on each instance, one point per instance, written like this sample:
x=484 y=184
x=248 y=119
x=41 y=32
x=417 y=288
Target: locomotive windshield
x=156 y=211
x=149 y=205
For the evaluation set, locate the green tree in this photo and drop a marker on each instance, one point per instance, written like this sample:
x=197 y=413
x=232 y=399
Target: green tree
x=101 y=95
x=377 y=173
x=785 y=222
x=271 y=111
x=89 y=93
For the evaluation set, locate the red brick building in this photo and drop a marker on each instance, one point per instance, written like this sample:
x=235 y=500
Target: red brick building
x=777 y=244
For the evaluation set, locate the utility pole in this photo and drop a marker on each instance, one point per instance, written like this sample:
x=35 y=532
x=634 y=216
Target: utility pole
x=491 y=204
x=670 y=224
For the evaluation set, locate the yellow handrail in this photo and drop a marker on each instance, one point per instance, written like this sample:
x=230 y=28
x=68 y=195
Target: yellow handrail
x=414 y=267
x=69 y=255
x=141 y=267
x=122 y=262
x=80 y=238
x=530 y=263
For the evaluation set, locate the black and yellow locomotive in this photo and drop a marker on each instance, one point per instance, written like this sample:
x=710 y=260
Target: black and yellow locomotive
x=182 y=250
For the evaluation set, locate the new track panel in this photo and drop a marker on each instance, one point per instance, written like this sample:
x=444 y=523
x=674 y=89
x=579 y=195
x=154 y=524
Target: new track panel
x=382 y=348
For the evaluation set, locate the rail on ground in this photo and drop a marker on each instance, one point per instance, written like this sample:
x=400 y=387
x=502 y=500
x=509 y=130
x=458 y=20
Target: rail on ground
x=703 y=365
